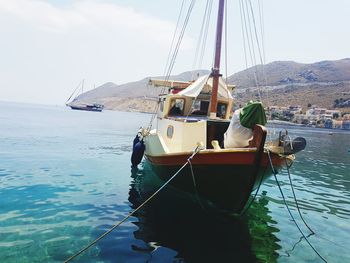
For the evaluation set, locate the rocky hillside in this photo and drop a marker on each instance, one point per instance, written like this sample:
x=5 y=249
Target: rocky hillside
x=287 y=83
x=321 y=94
x=289 y=72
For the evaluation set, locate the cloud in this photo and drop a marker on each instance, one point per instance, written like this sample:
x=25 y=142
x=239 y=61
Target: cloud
x=52 y=46
x=90 y=16
x=43 y=15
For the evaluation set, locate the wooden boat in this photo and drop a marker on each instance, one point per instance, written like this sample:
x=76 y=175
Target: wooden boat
x=197 y=114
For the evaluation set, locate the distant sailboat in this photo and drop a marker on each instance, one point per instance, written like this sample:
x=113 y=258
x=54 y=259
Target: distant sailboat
x=75 y=105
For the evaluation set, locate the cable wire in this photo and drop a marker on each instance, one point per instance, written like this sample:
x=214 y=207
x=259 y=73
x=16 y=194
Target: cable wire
x=290 y=213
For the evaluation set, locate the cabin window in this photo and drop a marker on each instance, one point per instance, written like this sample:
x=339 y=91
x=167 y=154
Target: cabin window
x=177 y=107
x=200 y=107
x=170 y=131
x=221 y=110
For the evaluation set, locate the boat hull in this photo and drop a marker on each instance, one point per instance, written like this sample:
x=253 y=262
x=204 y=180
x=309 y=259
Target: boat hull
x=86 y=108
x=224 y=179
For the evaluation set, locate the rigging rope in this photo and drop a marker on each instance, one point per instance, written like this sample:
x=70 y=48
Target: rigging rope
x=196 y=150
x=252 y=41
x=249 y=42
x=173 y=58
x=261 y=52
x=258 y=44
x=174 y=35
x=226 y=42
x=75 y=90
x=176 y=50
x=253 y=48
x=205 y=38
x=243 y=35
x=256 y=33
x=262 y=28
x=262 y=32
x=201 y=34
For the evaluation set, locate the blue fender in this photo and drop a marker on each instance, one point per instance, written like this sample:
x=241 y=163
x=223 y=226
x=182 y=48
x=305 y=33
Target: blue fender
x=137 y=151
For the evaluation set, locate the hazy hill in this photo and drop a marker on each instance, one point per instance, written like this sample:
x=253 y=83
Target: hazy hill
x=134 y=89
x=132 y=96
x=287 y=82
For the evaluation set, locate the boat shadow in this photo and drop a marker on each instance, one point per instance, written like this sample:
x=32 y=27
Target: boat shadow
x=195 y=233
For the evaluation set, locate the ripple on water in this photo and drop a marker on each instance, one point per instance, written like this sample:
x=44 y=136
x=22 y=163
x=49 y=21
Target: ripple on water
x=18 y=243
x=76 y=175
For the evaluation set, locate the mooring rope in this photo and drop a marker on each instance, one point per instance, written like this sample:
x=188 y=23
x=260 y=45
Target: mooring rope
x=195 y=186
x=246 y=208
x=300 y=214
x=197 y=149
x=290 y=213
x=296 y=201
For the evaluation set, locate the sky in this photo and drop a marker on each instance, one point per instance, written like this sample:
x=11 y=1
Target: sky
x=48 y=46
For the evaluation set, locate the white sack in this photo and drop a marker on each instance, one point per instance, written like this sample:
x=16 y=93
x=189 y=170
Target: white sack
x=237 y=135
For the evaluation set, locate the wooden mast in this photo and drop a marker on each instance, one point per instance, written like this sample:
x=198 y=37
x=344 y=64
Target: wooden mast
x=215 y=72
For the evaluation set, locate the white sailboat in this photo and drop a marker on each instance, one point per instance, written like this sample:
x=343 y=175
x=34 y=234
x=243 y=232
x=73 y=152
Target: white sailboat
x=75 y=105
x=232 y=154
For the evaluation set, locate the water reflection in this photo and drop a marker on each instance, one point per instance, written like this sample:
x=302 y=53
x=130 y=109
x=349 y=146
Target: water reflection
x=262 y=229
x=193 y=234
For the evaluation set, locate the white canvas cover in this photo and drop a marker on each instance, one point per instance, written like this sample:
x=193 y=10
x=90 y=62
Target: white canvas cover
x=205 y=83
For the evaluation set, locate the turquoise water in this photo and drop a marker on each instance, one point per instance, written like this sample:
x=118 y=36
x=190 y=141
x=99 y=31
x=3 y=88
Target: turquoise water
x=65 y=178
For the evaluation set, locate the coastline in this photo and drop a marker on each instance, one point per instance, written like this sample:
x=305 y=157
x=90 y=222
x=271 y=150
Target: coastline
x=288 y=123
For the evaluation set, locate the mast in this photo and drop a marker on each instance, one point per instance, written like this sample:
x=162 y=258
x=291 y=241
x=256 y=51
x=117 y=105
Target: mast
x=215 y=72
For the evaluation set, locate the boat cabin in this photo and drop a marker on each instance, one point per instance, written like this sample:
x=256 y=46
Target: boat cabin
x=192 y=99
x=192 y=109
x=184 y=114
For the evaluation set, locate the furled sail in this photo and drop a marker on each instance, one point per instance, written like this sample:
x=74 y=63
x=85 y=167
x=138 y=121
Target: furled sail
x=205 y=84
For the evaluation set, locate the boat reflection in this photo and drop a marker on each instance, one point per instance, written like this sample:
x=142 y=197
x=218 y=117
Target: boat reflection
x=177 y=221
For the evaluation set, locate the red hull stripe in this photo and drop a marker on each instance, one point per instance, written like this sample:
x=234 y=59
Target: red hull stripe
x=223 y=158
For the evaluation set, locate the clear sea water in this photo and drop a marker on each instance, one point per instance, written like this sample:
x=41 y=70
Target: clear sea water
x=65 y=178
